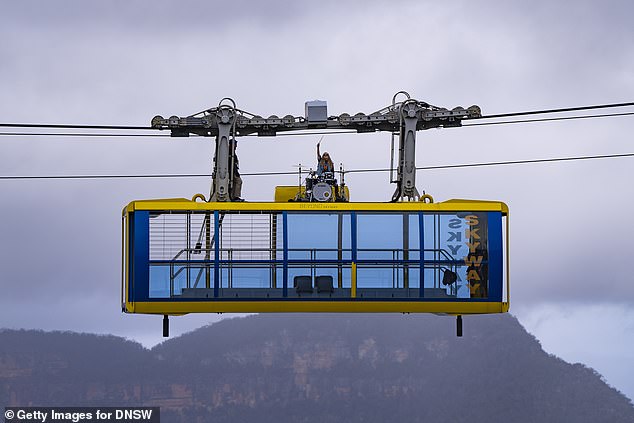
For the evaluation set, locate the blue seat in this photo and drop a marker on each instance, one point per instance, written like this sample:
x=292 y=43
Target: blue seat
x=324 y=284
x=303 y=284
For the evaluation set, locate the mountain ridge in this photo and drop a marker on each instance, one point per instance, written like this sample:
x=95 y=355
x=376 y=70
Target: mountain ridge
x=314 y=368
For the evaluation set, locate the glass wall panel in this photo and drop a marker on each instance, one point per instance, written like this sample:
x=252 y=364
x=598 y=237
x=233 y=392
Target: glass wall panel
x=456 y=254
x=182 y=249
x=391 y=236
x=167 y=281
x=379 y=236
x=388 y=250
x=159 y=282
x=318 y=236
x=237 y=276
x=245 y=236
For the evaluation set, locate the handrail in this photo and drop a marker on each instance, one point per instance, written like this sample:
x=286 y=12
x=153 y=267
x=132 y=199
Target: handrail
x=448 y=258
x=440 y=250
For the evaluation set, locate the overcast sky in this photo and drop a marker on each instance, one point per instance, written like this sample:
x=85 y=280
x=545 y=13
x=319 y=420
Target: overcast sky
x=122 y=62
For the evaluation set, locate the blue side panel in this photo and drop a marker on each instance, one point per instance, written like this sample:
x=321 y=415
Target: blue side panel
x=140 y=255
x=216 y=254
x=421 y=238
x=285 y=254
x=495 y=256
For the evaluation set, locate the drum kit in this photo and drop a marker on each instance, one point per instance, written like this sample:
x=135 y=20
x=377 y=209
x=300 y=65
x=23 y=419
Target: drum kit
x=322 y=188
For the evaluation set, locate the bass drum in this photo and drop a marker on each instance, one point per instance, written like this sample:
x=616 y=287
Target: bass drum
x=322 y=192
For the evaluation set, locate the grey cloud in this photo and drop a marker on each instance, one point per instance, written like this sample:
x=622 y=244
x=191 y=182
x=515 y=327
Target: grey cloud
x=161 y=15
x=73 y=63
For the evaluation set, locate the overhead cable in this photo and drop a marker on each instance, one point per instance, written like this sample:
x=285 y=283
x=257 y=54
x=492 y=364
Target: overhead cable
x=150 y=128
x=105 y=135
x=566 y=109
x=547 y=119
x=510 y=162
x=207 y=175
x=288 y=134
x=80 y=134
x=68 y=126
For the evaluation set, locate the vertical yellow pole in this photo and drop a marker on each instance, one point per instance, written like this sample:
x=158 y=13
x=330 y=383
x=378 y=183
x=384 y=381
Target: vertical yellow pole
x=339 y=250
x=353 y=285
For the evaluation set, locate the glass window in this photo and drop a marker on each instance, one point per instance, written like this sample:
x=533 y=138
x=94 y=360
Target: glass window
x=456 y=255
x=388 y=250
x=318 y=236
x=387 y=236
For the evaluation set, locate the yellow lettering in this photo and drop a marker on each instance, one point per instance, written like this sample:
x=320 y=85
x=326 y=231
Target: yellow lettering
x=472 y=220
x=473 y=275
x=474 y=261
x=473 y=246
x=472 y=233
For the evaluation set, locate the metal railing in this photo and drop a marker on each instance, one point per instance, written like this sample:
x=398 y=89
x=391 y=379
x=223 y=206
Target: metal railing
x=183 y=262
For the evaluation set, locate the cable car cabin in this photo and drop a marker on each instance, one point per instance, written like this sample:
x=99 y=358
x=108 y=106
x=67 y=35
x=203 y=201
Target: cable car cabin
x=183 y=256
